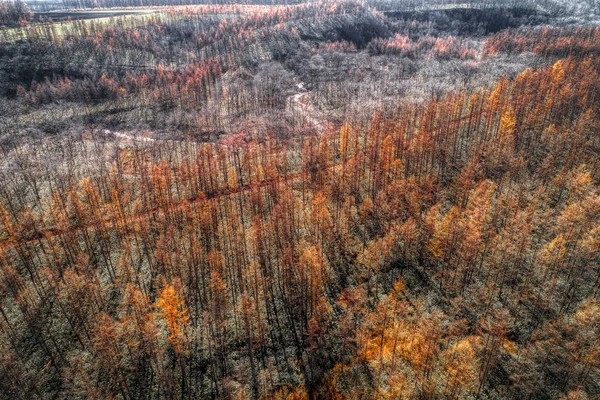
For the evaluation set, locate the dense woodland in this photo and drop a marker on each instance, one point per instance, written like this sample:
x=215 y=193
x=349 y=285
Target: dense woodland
x=326 y=200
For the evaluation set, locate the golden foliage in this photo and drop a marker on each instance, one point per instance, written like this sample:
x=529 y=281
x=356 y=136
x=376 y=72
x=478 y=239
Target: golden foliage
x=172 y=310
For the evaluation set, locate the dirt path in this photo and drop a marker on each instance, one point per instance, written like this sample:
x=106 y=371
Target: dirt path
x=304 y=108
x=128 y=137
x=175 y=206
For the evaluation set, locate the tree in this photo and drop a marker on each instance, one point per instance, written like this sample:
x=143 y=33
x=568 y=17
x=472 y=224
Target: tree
x=171 y=309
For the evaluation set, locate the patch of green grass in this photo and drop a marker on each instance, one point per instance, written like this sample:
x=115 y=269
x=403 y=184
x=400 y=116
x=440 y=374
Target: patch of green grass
x=131 y=18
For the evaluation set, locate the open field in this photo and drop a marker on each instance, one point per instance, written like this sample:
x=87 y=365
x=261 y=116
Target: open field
x=74 y=15
x=90 y=19
x=63 y=21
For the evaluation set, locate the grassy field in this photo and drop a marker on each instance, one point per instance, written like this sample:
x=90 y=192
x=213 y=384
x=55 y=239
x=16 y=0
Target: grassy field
x=64 y=15
x=129 y=17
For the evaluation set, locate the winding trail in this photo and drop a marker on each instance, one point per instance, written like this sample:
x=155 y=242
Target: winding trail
x=125 y=136
x=298 y=103
x=304 y=108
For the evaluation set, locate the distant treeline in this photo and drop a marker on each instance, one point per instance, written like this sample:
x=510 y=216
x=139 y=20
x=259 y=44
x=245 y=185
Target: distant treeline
x=399 y=5
x=11 y=12
x=143 y=3
x=465 y=21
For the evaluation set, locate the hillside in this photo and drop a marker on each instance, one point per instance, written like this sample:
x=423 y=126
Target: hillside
x=300 y=200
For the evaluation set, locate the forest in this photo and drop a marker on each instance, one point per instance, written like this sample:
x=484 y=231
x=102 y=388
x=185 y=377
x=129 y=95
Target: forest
x=341 y=199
